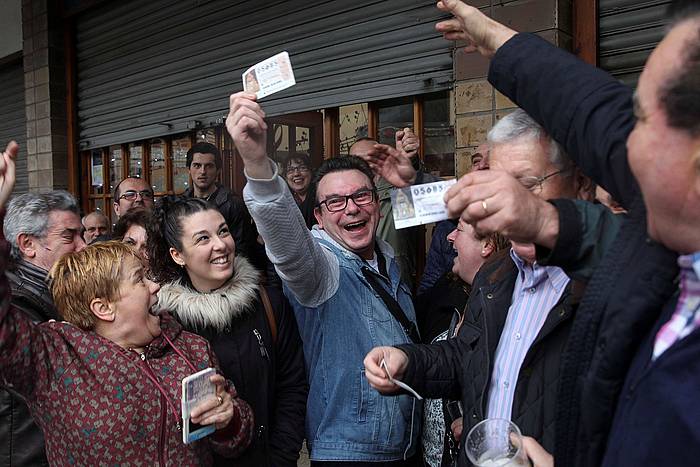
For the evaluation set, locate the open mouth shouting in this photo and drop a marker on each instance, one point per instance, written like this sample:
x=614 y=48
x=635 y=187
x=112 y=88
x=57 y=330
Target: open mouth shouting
x=355 y=227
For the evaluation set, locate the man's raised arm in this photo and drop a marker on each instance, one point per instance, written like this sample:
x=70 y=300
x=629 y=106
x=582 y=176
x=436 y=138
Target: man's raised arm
x=305 y=267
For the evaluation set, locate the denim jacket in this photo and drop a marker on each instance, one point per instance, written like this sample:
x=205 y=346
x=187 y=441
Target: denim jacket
x=340 y=319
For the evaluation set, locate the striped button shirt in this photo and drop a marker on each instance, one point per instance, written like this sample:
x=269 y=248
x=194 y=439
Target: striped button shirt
x=537 y=290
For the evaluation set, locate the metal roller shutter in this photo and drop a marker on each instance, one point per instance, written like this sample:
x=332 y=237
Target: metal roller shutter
x=154 y=68
x=629 y=31
x=13 y=124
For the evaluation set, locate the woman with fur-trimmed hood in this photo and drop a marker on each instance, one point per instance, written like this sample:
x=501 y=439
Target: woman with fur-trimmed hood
x=218 y=295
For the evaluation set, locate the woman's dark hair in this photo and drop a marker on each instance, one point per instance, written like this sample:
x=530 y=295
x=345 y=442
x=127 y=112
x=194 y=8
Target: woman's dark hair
x=300 y=157
x=165 y=231
x=134 y=216
x=341 y=164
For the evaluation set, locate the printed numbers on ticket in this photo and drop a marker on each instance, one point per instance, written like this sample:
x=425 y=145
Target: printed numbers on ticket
x=269 y=76
x=420 y=204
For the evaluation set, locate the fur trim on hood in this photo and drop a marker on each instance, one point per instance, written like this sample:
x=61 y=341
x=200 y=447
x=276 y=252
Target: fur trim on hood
x=197 y=310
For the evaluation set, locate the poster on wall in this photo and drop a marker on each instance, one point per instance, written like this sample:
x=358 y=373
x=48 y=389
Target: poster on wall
x=97 y=179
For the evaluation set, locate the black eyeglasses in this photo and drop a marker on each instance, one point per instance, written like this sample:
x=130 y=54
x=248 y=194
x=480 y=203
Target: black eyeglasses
x=131 y=195
x=299 y=168
x=534 y=184
x=338 y=203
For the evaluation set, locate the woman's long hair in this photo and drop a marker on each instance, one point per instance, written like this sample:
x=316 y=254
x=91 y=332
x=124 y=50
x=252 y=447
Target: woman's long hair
x=165 y=232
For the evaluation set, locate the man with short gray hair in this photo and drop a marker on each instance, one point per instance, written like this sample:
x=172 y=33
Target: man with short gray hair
x=96 y=225
x=505 y=363
x=40 y=229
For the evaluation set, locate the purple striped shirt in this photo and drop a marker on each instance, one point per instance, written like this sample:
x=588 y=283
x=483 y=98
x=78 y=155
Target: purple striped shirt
x=537 y=290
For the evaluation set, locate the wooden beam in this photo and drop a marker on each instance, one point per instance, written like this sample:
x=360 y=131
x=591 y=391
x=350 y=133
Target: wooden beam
x=586 y=30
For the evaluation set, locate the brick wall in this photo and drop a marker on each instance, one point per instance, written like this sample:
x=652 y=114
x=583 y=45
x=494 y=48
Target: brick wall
x=45 y=95
x=477 y=105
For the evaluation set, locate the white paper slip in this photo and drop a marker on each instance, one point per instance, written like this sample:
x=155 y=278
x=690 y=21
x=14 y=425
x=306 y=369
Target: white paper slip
x=420 y=204
x=400 y=384
x=269 y=76
x=195 y=389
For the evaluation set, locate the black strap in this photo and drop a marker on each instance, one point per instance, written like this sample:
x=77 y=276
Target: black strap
x=392 y=305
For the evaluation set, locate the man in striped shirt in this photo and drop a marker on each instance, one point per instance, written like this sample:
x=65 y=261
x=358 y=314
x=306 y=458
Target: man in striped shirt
x=505 y=361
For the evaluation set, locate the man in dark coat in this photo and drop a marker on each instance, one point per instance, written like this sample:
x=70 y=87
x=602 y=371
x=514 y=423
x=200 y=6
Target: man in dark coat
x=40 y=228
x=629 y=395
x=204 y=163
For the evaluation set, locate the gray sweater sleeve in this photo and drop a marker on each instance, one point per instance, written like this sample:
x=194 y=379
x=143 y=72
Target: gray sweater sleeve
x=309 y=271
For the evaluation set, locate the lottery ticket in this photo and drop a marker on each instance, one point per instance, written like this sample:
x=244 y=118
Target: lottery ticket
x=420 y=204
x=269 y=76
x=196 y=388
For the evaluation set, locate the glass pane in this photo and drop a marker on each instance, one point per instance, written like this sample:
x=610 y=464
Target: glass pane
x=135 y=160
x=279 y=142
x=302 y=139
x=181 y=176
x=98 y=204
x=97 y=172
x=394 y=115
x=353 y=125
x=157 y=163
x=115 y=166
x=438 y=135
x=207 y=135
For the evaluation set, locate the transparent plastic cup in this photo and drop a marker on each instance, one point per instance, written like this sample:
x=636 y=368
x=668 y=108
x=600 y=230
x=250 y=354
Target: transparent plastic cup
x=496 y=442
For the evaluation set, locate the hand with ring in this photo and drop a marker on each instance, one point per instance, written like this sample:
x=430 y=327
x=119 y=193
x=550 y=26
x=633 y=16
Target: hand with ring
x=218 y=410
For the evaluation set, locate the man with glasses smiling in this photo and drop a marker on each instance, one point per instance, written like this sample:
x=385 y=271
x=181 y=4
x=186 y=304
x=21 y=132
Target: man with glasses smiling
x=130 y=193
x=506 y=361
x=345 y=288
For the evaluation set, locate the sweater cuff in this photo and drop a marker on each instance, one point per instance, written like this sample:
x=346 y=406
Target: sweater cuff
x=265 y=190
x=568 y=242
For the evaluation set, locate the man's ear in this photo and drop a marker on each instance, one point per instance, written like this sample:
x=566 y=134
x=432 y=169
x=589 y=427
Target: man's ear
x=115 y=206
x=317 y=215
x=102 y=309
x=177 y=257
x=585 y=186
x=27 y=245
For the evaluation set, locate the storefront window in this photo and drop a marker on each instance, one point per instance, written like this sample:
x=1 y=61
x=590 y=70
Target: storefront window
x=135 y=160
x=438 y=135
x=302 y=139
x=115 y=166
x=97 y=172
x=353 y=125
x=394 y=115
x=157 y=166
x=207 y=135
x=181 y=176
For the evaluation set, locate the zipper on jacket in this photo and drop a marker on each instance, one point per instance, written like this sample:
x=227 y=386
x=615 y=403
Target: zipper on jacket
x=484 y=401
x=263 y=349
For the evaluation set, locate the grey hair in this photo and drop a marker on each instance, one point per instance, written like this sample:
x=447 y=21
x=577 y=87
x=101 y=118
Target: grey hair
x=99 y=214
x=28 y=214
x=518 y=124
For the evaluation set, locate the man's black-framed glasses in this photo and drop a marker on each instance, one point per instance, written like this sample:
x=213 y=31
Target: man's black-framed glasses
x=131 y=195
x=339 y=203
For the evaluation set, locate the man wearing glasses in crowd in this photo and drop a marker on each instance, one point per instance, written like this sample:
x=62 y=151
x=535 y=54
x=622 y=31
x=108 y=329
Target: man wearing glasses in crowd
x=130 y=193
x=344 y=285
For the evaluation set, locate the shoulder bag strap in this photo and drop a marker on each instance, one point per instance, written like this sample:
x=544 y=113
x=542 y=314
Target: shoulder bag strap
x=392 y=305
x=269 y=313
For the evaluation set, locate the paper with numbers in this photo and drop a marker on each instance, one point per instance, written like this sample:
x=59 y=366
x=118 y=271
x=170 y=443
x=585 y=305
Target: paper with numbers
x=269 y=76
x=420 y=204
x=196 y=388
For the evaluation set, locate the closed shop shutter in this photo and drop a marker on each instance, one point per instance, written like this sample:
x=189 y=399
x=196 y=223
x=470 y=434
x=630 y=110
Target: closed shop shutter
x=629 y=30
x=158 y=67
x=13 y=124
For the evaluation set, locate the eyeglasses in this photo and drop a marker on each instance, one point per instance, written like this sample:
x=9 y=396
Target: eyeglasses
x=299 y=168
x=534 y=184
x=338 y=203
x=131 y=195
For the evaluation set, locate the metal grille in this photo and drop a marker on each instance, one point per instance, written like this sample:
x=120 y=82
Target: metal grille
x=629 y=31
x=159 y=67
x=13 y=124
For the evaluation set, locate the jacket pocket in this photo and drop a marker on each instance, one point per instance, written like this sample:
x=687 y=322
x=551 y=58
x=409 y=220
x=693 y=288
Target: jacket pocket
x=362 y=397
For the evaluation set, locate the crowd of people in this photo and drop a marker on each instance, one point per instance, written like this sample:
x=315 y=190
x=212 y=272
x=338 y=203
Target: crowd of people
x=562 y=296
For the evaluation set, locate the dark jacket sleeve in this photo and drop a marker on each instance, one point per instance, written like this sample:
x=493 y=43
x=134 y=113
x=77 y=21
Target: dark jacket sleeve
x=291 y=387
x=582 y=107
x=586 y=231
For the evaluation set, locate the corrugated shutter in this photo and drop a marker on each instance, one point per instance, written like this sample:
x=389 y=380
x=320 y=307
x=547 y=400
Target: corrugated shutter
x=13 y=124
x=153 y=68
x=629 y=30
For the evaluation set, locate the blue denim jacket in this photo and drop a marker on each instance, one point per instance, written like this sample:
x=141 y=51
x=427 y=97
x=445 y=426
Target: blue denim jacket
x=346 y=418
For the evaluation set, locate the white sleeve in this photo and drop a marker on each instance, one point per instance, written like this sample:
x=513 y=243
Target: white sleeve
x=310 y=271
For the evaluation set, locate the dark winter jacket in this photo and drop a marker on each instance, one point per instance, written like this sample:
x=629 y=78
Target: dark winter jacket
x=21 y=440
x=268 y=374
x=96 y=402
x=239 y=223
x=592 y=115
x=461 y=368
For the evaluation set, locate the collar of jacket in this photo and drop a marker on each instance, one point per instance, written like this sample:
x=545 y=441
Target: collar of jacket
x=198 y=310
x=29 y=282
